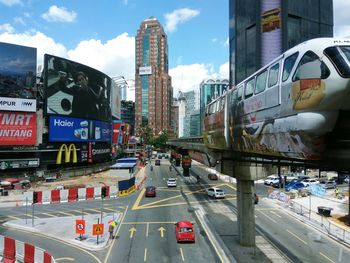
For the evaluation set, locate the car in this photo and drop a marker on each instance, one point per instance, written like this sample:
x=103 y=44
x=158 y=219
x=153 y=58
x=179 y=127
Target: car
x=150 y=191
x=310 y=181
x=157 y=162
x=271 y=179
x=171 y=182
x=184 y=231
x=215 y=192
x=346 y=179
x=212 y=176
x=328 y=184
x=294 y=185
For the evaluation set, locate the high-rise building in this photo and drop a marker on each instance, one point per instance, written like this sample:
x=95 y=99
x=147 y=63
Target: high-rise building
x=175 y=118
x=209 y=90
x=262 y=30
x=153 y=90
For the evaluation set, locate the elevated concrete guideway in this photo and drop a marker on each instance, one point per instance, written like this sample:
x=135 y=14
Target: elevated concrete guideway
x=245 y=172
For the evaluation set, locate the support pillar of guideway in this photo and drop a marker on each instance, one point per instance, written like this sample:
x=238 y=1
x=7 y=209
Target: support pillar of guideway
x=246 y=174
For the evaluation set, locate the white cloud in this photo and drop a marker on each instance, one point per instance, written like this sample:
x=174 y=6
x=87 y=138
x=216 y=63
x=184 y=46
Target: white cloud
x=19 y=20
x=188 y=77
x=59 y=14
x=341 y=18
x=11 y=2
x=226 y=43
x=7 y=28
x=214 y=40
x=179 y=16
x=224 y=71
x=115 y=57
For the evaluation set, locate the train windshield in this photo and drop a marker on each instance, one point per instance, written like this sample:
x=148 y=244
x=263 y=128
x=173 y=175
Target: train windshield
x=340 y=56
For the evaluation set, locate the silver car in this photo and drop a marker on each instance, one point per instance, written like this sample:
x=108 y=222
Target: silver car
x=328 y=184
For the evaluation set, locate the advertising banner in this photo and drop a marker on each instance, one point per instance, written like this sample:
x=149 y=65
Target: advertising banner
x=271 y=31
x=16 y=104
x=116 y=100
x=17 y=128
x=145 y=70
x=17 y=72
x=116 y=131
x=76 y=90
x=66 y=129
x=121 y=133
x=95 y=152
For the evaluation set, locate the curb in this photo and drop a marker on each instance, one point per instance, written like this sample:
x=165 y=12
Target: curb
x=219 y=246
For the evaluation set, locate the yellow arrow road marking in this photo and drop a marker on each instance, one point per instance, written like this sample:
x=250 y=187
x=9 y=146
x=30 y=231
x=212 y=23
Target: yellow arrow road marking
x=162 y=230
x=138 y=200
x=142 y=223
x=132 y=231
x=68 y=259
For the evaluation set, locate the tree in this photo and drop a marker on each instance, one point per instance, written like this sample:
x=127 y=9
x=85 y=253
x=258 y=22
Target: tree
x=145 y=133
x=160 y=141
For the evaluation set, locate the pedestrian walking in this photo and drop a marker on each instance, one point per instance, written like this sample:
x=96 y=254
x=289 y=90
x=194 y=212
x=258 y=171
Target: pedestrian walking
x=336 y=191
x=111 y=229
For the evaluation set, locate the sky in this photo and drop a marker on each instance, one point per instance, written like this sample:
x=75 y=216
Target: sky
x=101 y=34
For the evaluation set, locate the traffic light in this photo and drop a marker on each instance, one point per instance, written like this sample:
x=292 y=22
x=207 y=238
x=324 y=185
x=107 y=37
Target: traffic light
x=35 y=197
x=104 y=191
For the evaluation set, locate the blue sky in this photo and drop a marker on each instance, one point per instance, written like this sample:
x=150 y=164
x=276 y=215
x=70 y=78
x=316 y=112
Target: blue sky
x=101 y=34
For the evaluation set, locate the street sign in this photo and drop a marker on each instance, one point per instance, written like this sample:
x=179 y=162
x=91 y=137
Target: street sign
x=97 y=229
x=80 y=227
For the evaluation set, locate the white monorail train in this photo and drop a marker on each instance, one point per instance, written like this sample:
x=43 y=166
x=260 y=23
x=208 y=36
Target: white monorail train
x=296 y=107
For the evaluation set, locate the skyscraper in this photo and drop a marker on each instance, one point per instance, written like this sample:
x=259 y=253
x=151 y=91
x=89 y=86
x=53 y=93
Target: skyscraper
x=262 y=30
x=153 y=90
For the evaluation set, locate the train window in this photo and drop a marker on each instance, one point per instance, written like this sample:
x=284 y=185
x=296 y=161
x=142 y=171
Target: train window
x=338 y=56
x=288 y=65
x=311 y=67
x=261 y=82
x=239 y=93
x=249 y=88
x=273 y=75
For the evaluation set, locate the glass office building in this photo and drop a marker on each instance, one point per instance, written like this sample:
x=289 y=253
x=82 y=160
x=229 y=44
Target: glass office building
x=259 y=31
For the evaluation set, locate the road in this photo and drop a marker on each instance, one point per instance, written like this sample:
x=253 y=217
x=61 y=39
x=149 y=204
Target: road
x=146 y=232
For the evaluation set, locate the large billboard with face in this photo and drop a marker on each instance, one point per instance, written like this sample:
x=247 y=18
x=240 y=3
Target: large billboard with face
x=116 y=100
x=76 y=90
x=17 y=78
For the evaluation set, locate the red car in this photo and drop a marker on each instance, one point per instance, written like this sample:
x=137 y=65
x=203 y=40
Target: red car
x=150 y=191
x=212 y=177
x=184 y=231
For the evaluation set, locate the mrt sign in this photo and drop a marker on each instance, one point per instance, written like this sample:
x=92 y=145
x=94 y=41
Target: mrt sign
x=80 y=227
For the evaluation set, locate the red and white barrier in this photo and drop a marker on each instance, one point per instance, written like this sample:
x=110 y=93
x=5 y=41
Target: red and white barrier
x=46 y=197
x=72 y=194
x=64 y=196
x=28 y=198
x=97 y=192
x=90 y=193
x=81 y=194
x=55 y=196
x=17 y=251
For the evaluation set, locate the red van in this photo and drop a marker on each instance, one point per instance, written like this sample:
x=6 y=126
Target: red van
x=184 y=231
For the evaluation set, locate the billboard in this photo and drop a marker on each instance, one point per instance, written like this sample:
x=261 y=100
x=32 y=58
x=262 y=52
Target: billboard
x=96 y=152
x=76 y=90
x=116 y=100
x=145 y=70
x=66 y=129
x=116 y=131
x=17 y=128
x=17 y=71
x=271 y=32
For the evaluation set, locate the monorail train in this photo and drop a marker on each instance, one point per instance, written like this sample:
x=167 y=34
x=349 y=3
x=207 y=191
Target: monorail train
x=297 y=106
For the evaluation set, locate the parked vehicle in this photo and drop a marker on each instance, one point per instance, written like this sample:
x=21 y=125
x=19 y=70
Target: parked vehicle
x=171 y=182
x=184 y=231
x=311 y=181
x=271 y=179
x=150 y=191
x=328 y=184
x=212 y=176
x=215 y=192
x=346 y=179
x=294 y=185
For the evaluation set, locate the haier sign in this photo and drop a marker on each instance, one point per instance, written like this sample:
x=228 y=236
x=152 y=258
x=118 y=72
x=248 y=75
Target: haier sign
x=66 y=129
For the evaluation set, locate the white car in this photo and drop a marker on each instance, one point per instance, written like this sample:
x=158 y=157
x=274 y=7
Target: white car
x=215 y=192
x=171 y=182
x=346 y=180
x=271 y=179
x=311 y=181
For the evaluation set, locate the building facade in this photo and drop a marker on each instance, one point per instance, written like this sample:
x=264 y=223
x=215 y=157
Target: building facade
x=128 y=114
x=261 y=30
x=175 y=118
x=209 y=90
x=153 y=90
